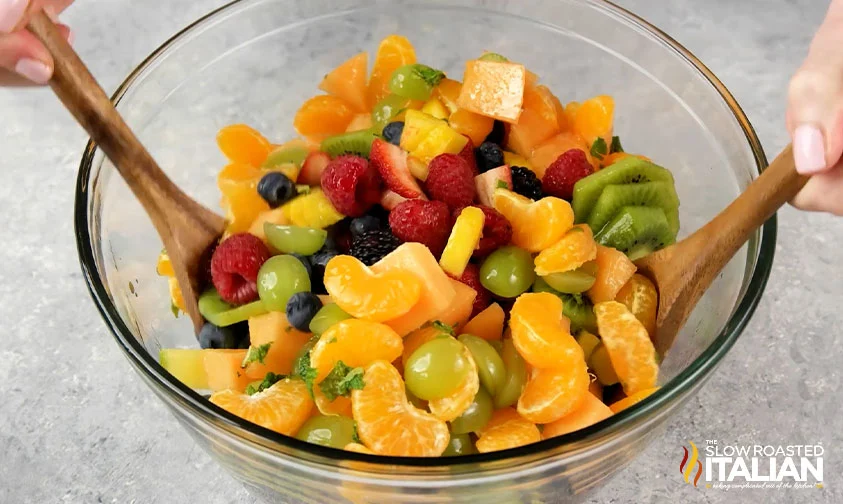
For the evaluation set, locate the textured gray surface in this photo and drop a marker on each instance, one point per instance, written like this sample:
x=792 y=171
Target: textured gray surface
x=78 y=426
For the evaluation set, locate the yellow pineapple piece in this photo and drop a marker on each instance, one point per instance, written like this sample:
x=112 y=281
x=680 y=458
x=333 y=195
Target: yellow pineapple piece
x=435 y=108
x=466 y=234
x=311 y=210
x=440 y=140
x=513 y=159
x=417 y=125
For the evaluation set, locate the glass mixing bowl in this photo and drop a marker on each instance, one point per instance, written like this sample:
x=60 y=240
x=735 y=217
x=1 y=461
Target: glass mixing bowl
x=256 y=61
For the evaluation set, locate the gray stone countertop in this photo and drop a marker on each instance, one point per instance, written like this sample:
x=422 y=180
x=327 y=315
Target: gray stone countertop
x=79 y=426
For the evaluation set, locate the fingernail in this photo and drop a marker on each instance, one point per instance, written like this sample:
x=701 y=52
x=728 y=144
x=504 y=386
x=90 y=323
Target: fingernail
x=70 y=36
x=10 y=13
x=33 y=70
x=808 y=149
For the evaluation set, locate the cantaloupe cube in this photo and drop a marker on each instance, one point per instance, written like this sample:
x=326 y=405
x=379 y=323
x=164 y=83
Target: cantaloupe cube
x=284 y=343
x=223 y=370
x=186 y=364
x=488 y=324
x=437 y=290
x=531 y=130
x=547 y=152
x=614 y=269
x=276 y=216
x=493 y=89
x=360 y=122
x=458 y=313
x=590 y=411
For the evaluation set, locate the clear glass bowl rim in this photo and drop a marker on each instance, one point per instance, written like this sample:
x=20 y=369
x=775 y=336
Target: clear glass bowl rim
x=196 y=405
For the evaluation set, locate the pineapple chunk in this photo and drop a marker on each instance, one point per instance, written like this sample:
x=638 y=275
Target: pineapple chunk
x=417 y=125
x=435 y=108
x=311 y=210
x=186 y=364
x=513 y=159
x=468 y=229
x=418 y=168
x=441 y=140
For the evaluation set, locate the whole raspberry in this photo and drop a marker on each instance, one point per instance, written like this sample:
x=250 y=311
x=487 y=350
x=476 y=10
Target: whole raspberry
x=351 y=184
x=497 y=231
x=471 y=277
x=467 y=153
x=451 y=180
x=235 y=265
x=425 y=222
x=562 y=174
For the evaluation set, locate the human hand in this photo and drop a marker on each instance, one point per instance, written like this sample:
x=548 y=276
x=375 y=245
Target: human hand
x=23 y=59
x=815 y=117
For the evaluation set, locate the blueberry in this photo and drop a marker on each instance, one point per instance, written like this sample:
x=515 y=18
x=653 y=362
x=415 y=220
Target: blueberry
x=301 y=308
x=212 y=336
x=276 y=189
x=392 y=132
x=498 y=133
x=489 y=155
x=306 y=262
x=318 y=261
x=241 y=333
x=364 y=224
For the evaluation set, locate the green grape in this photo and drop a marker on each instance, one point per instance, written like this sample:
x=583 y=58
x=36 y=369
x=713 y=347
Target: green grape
x=295 y=239
x=570 y=282
x=331 y=431
x=476 y=416
x=460 y=444
x=385 y=110
x=508 y=272
x=283 y=155
x=516 y=376
x=415 y=81
x=490 y=56
x=415 y=401
x=490 y=366
x=601 y=364
x=279 y=278
x=436 y=368
x=326 y=317
x=222 y=314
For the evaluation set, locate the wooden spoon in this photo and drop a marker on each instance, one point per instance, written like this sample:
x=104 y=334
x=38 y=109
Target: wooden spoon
x=682 y=272
x=186 y=228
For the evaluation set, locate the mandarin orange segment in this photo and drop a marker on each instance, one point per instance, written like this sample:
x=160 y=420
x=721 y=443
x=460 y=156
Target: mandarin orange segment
x=394 y=51
x=488 y=324
x=176 y=297
x=536 y=225
x=386 y=421
x=283 y=407
x=593 y=119
x=531 y=130
x=642 y=299
x=590 y=411
x=163 y=266
x=507 y=429
x=372 y=296
x=243 y=205
x=348 y=82
x=576 y=248
x=323 y=116
x=553 y=393
x=448 y=92
x=236 y=174
x=474 y=126
x=340 y=406
x=631 y=400
x=614 y=270
x=542 y=333
x=356 y=343
x=358 y=448
x=243 y=144
x=450 y=407
x=626 y=340
x=546 y=152
x=562 y=121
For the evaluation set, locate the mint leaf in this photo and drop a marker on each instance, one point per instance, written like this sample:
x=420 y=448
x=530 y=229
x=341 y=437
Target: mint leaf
x=616 y=145
x=355 y=436
x=500 y=184
x=341 y=381
x=445 y=328
x=430 y=75
x=303 y=371
x=256 y=354
x=269 y=380
x=599 y=148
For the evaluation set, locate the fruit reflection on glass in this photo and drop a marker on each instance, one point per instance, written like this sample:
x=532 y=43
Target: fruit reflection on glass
x=436 y=267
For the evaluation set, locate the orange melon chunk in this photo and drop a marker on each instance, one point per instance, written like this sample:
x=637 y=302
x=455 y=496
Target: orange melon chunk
x=590 y=411
x=614 y=270
x=224 y=371
x=284 y=343
x=459 y=311
x=493 y=89
x=488 y=324
x=437 y=290
x=531 y=130
x=348 y=82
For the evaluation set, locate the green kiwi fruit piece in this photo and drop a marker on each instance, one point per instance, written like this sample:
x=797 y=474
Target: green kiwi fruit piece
x=285 y=155
x=575 y=306
x=490 y=56
x=356 y=142
x=570 y=282
x=637 y=231
x=616 y=196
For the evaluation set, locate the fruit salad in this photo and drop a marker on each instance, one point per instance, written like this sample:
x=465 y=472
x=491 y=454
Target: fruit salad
x=434 y=267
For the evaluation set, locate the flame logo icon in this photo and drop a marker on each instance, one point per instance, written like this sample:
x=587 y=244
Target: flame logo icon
x=686 y=467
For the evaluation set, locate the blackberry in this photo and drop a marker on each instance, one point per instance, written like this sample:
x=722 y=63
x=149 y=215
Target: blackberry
x=525 y=183
x=497 y=133
x=489 y=156
x=371 y=246
x=318 y=261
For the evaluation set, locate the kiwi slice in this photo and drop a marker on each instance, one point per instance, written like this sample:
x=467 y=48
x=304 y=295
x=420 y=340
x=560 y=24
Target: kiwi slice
x=222 y=314
x=356 y=142
x=637 y=231
x=294 y=154
x=616 y=196
x=576 y=307
x=571 y=282
x=631 y=170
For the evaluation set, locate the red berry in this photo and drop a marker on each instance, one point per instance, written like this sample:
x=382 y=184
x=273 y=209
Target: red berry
x=425 y=222
x=352 y=185
x=235 y=265
x=562 y=174
x=497 y=231
x=471 y=277
x=451 y=180
x=467 y=153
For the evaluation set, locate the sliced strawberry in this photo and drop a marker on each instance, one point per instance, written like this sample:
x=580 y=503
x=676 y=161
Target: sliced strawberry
x=312 y=168
x=486 y=183
x=391 y=162
x=391 y=199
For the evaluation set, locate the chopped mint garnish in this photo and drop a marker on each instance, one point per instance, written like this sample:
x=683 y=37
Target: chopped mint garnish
x=355 y=436
x=303 y=371
x=256 y=354
x=599 y=148
x=341 y=381
x=302 y=189
x=430 y=75
x=259 y=386
x=445 y=328
x=616 y=145
x=500 y=184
